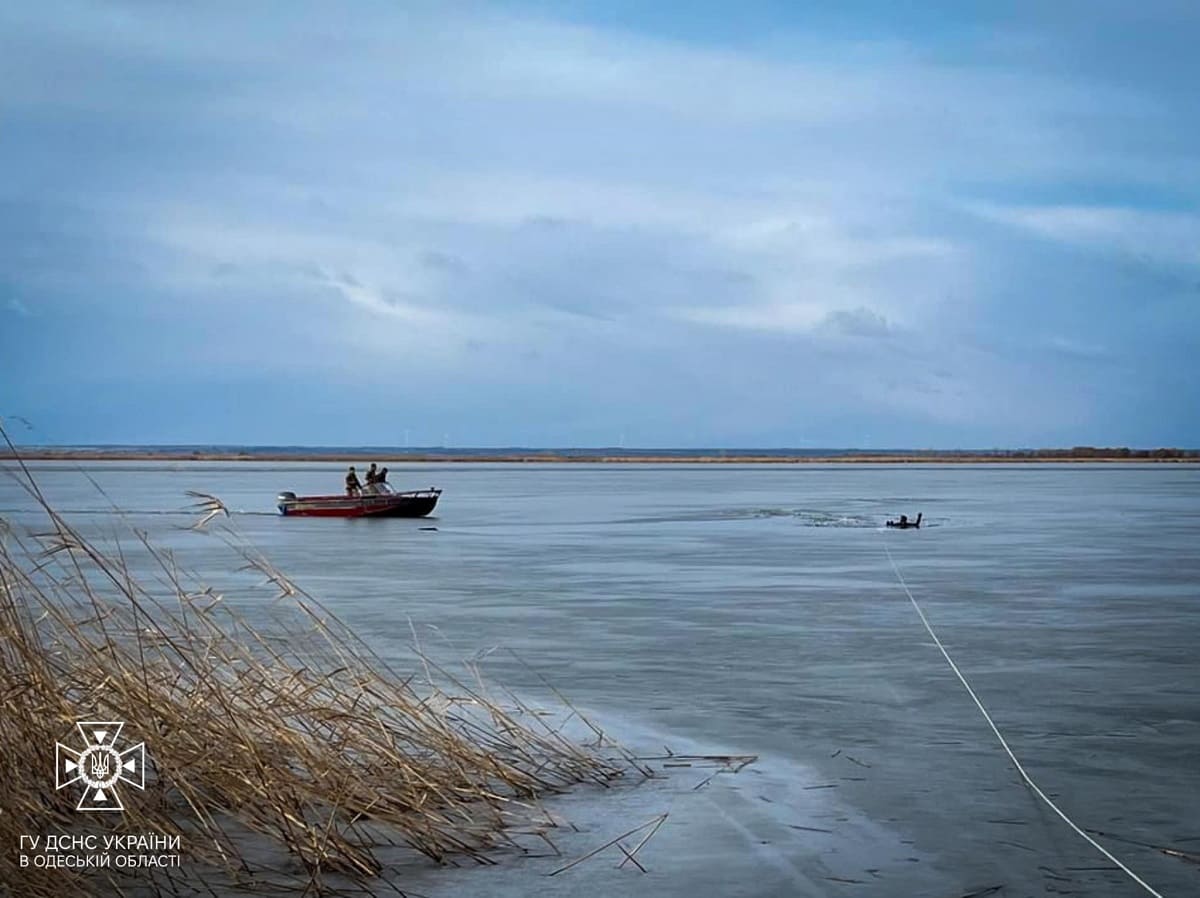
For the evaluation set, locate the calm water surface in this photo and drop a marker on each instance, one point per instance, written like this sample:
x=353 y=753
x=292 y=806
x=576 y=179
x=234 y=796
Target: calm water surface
x=753 y=608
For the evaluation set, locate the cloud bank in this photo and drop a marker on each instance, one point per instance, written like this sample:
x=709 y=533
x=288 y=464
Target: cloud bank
x=522 y=226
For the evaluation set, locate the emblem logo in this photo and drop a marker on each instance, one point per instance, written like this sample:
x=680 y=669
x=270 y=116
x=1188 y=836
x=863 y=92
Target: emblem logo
x=99 y=765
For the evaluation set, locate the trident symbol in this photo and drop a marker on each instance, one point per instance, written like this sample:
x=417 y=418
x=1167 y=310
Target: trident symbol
x=100 y=767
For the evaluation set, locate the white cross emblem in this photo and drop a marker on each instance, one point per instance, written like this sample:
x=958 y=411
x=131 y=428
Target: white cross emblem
x=99 y=765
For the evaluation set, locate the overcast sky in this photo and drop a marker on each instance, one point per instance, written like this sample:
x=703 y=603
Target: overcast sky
x=610 y=223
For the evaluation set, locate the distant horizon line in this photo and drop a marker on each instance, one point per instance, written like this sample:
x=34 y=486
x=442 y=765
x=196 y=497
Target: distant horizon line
x=577 y=449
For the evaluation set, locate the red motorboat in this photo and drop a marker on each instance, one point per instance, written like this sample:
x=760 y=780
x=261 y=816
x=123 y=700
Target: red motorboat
x=376 y=501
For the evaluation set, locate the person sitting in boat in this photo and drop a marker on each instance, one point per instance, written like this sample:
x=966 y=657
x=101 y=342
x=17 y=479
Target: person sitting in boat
x=382 y=487
x=904 y=523
x=353 y=487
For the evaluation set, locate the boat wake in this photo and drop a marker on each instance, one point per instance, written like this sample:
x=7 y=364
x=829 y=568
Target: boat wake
x=804 y=517
x=138 y=512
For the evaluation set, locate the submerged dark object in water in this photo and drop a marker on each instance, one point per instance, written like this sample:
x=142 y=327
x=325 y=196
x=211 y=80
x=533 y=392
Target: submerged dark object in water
x=905 y=524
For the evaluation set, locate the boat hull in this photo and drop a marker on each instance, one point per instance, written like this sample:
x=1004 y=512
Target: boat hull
x=415 y=504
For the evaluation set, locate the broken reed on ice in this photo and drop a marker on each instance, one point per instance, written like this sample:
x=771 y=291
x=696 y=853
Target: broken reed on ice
x=285 y=755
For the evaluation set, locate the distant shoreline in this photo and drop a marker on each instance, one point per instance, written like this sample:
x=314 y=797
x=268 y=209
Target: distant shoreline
x=354 y=456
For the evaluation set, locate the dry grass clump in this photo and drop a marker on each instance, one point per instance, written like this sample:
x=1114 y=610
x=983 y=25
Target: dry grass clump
x=287 y=756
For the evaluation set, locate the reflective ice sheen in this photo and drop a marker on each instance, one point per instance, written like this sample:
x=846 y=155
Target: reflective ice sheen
x=752 y=609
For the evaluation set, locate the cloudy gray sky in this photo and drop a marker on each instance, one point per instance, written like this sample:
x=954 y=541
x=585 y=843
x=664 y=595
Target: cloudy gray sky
x=599 y=224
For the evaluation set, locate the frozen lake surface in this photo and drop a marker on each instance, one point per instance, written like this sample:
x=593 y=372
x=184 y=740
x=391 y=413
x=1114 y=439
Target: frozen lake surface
x=753 y=610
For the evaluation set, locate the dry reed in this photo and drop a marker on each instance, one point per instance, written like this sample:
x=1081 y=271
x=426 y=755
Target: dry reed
x=288 y=757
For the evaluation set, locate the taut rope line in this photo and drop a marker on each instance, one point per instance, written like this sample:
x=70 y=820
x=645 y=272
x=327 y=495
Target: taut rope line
x=1004 y=743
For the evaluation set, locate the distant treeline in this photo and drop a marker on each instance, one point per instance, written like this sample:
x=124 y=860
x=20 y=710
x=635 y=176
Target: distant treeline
x=1098 y=452
x=440 y=454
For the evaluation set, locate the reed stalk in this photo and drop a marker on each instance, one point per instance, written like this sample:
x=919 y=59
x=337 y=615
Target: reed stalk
x=288 y=756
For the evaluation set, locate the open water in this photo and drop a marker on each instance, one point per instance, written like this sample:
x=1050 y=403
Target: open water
x=753 y=609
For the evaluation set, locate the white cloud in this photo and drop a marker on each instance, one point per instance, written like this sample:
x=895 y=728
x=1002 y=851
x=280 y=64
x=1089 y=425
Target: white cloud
x=859 y=322
x=381 y=302
x=783 y=318
x=525 y=201
x=1169 y=237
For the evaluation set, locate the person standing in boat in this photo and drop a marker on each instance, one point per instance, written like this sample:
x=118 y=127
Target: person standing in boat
x=353 y=487
x=381 y=477
x=372 y=475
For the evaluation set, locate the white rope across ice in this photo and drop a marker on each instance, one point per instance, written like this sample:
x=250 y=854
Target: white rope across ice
x=1004 y=743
